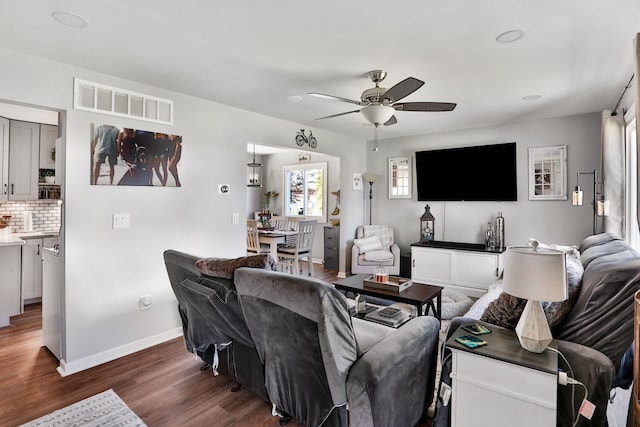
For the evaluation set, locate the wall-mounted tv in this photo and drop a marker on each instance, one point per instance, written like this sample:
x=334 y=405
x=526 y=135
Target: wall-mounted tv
x=478 y=173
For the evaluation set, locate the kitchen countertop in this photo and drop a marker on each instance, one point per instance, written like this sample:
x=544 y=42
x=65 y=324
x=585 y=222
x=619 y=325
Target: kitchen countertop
x=19 y=238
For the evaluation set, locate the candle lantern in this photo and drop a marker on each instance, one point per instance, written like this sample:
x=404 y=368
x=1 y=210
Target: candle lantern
x=427 y=223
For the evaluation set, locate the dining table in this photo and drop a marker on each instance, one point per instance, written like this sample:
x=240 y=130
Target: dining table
x=273 y=238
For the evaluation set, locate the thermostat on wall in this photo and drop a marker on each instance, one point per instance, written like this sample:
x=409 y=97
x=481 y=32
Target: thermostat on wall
x=224 y=188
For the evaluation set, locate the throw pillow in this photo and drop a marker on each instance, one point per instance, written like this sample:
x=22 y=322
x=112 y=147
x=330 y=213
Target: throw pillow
x=381 y=255
x=505 y=311
x=225 y=268
x=368 y=244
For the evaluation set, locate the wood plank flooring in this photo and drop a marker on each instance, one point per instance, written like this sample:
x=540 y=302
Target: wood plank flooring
x=162 y=384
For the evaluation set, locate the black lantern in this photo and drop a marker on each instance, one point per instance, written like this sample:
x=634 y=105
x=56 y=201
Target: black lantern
x=427 y=223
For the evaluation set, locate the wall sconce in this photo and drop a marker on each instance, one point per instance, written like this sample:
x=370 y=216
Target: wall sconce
x=601 y=206
x=254 y=171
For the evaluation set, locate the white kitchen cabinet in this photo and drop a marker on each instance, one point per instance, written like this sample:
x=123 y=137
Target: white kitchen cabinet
x=24 y=156
x=31 y=270
x=9 y=282
x=48 y=136
x=4 y=158
x=52 y=302
x=463 y=267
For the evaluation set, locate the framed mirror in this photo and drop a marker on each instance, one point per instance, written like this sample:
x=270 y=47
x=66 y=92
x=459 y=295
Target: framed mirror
x=548 y=173
x=400 y=182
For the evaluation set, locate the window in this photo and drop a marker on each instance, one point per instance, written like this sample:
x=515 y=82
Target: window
x=631 y=184
x=305 y=190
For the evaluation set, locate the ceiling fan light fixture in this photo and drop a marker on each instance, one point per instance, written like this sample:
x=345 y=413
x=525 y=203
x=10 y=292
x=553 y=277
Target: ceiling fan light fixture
x=377 y=114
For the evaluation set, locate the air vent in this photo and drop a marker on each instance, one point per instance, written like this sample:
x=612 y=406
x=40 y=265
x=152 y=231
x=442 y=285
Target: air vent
x=104 y=99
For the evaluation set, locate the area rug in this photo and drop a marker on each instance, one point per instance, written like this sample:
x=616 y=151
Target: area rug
x=102 y=410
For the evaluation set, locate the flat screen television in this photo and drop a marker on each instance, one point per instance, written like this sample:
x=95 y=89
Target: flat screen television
x=478 y=173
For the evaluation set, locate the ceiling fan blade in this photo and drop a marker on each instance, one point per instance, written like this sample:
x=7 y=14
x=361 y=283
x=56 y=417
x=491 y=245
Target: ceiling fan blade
x=335 y=98
x=424 y=106
x=402 y=89
x=391 y=121
x=338 y=115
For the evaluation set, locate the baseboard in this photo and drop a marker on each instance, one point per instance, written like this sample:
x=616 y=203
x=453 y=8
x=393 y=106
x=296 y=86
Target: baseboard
x=75 y=366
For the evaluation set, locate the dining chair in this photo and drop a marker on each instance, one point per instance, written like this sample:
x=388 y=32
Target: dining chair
x=253 y=239
x=300 y=248
x=279 y=222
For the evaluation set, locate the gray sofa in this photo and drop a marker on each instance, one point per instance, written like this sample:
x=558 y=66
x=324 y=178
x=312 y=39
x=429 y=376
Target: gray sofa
x=595 y=334
x=291 y=340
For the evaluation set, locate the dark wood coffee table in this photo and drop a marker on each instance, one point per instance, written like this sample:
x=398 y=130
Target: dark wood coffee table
x=418 y=294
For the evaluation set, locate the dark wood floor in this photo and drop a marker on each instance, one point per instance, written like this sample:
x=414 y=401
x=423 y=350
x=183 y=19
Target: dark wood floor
x=162 y=384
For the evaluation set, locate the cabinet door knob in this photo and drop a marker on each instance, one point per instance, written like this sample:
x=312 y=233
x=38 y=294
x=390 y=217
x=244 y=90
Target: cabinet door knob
x=5 y=189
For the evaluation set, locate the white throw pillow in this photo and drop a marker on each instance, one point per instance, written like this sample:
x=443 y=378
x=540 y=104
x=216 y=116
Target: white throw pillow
x=381 y=255
x=368 y=244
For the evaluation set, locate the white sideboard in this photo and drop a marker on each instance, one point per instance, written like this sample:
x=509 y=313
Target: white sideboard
x=464 y=267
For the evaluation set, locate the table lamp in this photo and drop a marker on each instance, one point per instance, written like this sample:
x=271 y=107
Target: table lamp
x=535 y=274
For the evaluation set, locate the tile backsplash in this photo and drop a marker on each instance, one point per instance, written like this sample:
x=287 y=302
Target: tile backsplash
x=46 y=214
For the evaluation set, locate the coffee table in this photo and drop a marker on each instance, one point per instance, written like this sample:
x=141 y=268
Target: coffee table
x=418 y=294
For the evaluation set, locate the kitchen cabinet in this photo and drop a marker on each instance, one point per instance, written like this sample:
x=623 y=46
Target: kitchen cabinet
x=4 y=158
x=24 y=156
x=9 y=282
x=52 y=301
x=463 y=267
x=48 y=136
x=31 y=283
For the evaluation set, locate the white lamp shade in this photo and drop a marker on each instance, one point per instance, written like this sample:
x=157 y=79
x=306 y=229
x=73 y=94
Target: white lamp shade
x=539 y=276
x=377 y=114
x=370 y=177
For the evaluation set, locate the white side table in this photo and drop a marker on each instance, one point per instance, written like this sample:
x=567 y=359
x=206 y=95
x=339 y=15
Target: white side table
x=501 y=384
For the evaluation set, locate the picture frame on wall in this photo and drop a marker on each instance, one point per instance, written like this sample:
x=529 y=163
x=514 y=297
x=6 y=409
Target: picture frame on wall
x=548 y=173
x=400 y=177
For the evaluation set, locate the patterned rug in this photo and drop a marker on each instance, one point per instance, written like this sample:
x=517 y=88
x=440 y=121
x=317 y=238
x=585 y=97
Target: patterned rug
x=102 y=410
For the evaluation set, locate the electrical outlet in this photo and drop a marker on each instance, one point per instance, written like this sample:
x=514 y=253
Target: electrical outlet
x=121 y=220
x=235 y=220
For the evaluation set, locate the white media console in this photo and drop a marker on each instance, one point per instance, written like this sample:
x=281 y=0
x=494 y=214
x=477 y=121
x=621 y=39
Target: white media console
x=468 y=268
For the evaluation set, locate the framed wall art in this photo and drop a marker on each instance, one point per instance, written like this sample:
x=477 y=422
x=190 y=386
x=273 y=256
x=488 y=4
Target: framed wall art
x=134 y=157
x=548 y=173
x=400 y=182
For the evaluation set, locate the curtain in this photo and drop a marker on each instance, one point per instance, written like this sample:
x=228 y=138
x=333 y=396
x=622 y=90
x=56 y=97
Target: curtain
x=613 y=166
x=636 y=60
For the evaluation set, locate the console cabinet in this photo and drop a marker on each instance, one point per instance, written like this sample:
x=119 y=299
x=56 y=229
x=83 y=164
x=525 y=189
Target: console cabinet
x=466 y=268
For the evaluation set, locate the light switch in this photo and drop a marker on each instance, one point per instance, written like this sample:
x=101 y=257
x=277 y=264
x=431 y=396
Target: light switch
x=121 y=220
x=235 y=218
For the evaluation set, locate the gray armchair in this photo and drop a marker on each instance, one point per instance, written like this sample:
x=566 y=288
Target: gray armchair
x=366 y=254
x=324 y=367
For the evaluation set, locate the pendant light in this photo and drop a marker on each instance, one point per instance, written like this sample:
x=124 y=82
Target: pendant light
x=254 y=171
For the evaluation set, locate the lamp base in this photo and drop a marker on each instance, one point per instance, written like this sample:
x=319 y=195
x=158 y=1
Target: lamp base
x=533 y=329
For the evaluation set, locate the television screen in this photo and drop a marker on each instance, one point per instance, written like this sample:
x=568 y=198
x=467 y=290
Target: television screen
x=479 y=173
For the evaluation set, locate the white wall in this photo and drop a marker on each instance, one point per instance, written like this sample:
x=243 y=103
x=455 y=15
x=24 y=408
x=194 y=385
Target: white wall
x=107 y=270
x=548 y=221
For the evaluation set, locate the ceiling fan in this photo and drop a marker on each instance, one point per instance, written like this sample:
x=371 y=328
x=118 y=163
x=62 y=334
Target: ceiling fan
x=380 y=104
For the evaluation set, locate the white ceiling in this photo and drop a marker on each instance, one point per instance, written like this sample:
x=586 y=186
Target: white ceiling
x=253 y=54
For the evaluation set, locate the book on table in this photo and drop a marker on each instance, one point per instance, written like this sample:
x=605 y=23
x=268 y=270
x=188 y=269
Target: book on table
x=389 y=316
x=396 y=284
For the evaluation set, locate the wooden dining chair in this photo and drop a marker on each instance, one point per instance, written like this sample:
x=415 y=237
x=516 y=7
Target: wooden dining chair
x=301 y=248
x=253 y=239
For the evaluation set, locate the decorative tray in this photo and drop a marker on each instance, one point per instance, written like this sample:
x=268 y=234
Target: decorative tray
x=396 y=284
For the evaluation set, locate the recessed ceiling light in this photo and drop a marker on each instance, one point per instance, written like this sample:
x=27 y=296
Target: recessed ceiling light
x=70 y=19
x=294 y=98
x=531 y=97
x=510 y=36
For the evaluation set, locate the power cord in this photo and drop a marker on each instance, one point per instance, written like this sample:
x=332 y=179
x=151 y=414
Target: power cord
x=564 y=379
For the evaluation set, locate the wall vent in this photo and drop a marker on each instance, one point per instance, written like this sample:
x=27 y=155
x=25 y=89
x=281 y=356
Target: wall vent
x=105 y=99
